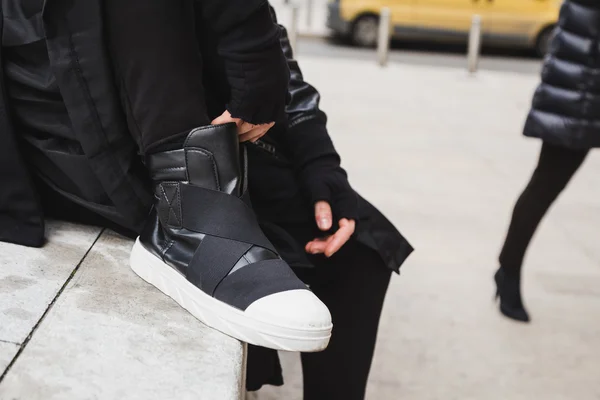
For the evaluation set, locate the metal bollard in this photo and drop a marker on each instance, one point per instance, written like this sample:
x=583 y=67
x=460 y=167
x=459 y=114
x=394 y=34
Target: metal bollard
x=293 y=29
x=309 y=13
x=383 y=40
x=474 y=44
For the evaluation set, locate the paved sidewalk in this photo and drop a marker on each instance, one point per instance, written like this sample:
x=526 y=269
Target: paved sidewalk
x=441 y=154
x=90 y=329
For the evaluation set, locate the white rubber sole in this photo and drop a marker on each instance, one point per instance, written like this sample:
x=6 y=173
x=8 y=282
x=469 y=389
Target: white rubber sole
x=221 y=316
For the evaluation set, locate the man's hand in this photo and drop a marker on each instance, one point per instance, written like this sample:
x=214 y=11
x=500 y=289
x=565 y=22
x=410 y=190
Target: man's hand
x=246 y=130
x=331 y=244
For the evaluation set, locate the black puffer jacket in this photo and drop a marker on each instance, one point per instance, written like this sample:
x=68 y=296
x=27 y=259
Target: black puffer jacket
x=566 y=105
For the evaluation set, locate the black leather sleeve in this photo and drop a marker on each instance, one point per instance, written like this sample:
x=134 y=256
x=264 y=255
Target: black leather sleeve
x=304 y=99
x=309 y=146
x=306 y=137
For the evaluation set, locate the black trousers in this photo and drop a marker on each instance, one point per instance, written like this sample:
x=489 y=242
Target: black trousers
x=158 y=67
x=353 y=284
x=556 y=167
x=163 y=96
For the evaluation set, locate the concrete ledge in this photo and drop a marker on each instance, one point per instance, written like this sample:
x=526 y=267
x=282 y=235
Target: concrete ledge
x=31 y=278
x=7 y=352
x=110 y=335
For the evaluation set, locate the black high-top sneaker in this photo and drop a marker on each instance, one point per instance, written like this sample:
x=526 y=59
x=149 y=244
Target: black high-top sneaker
x=203 y=247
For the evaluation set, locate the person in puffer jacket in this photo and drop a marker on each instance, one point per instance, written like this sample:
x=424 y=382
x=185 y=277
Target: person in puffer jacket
x=565 y=115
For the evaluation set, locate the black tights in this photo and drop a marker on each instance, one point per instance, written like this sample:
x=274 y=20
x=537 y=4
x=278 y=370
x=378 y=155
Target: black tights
x=158 y=67
x=555 y=168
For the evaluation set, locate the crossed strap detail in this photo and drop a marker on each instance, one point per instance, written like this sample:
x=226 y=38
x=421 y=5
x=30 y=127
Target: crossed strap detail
x=231 y=229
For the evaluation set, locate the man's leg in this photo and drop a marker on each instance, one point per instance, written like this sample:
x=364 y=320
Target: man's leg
x=201 y=245
x=158 y=67
x=352 y=284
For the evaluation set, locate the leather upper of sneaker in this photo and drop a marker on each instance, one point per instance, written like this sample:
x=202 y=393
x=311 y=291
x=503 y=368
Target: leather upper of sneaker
x=210 y=159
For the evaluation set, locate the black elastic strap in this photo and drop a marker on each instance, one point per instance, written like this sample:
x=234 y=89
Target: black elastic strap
x=246 y=285
x=220 y=214
x=213 y=260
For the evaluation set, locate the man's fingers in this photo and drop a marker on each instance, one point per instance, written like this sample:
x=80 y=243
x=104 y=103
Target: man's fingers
x=248 y=131
x=219 y=120
x=256 y=133
x=323 y=215
x=253 y=135
x=245 y=127
x=226 y=118
x=340 y=237
x=245 y=130
x=330 y=245
x=264 y=128
x=317 y=246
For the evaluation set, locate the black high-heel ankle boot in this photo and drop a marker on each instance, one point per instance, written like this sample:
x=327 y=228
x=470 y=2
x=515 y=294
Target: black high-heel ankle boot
x=508 y=288
x=203 y=247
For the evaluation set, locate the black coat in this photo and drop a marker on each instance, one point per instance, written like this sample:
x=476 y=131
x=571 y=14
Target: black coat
x=566 y=105
x=100 y=156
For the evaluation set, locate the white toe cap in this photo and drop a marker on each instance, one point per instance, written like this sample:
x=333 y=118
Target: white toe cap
x=296 y=309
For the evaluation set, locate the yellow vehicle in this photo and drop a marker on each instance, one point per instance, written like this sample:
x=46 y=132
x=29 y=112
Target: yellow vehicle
x=518 y=23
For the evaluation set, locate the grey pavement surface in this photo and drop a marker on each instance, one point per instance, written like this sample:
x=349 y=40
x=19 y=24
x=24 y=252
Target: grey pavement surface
x=109 y=335
x=7 y=353
x=440 y=152
x=31 y=278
